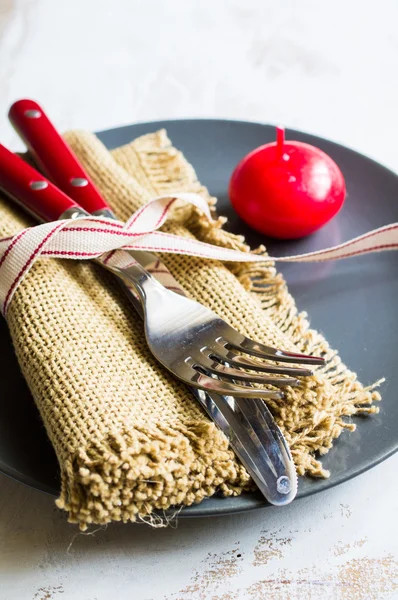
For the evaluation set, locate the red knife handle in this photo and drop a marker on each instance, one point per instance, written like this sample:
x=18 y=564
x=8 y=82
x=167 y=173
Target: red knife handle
x=53 y=154
x=28 y=187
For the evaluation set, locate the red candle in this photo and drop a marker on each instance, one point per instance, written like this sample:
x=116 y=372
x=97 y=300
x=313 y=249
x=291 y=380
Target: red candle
x=287 y=189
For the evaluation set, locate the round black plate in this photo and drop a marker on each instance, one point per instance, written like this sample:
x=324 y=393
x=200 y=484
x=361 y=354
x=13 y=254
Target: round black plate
x=353 y=302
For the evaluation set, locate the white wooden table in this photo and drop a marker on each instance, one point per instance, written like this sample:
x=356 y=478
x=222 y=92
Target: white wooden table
x=326 y=67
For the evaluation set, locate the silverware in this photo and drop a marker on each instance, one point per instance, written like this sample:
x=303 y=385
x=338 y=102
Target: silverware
x=249 y=426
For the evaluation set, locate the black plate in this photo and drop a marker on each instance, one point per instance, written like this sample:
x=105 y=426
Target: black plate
x=353 y=302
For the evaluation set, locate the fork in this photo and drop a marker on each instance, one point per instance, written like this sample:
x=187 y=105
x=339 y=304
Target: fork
x=195 y=344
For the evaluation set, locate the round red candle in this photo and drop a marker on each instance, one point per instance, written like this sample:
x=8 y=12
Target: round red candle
x=287 y=189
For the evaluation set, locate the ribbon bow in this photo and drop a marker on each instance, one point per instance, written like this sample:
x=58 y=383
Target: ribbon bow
x=90 y=237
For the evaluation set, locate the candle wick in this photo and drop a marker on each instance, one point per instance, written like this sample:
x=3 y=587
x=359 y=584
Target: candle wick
x=280 y=140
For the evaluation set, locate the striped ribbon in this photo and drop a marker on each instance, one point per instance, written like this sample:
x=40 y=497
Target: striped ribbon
x=90 y=237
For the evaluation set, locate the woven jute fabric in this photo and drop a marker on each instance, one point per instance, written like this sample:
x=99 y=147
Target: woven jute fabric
x=131 y=440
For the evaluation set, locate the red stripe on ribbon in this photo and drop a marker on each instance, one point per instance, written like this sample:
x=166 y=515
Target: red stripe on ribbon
x=11 y=246
x=28 y=264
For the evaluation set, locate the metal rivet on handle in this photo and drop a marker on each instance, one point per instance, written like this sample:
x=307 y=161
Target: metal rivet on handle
x=79 y=182
x=32 y=113
x=38 y=185
x=283 y=485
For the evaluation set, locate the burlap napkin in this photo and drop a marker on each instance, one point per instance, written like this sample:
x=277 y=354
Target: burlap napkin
x=131 y=439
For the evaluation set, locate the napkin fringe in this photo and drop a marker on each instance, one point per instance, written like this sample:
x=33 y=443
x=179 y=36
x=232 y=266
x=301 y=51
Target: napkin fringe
x=131 y=473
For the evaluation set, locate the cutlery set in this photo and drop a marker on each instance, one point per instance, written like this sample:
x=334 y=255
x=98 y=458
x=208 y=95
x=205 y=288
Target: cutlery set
x=229 y=374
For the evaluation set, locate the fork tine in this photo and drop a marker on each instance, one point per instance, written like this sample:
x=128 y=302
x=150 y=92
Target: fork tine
x=231 y=373
x=244 y=344
x=237 y=360
x=225 y=388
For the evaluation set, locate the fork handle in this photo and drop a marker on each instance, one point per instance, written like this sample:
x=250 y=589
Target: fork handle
x=53 y=154
x=132 y=274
